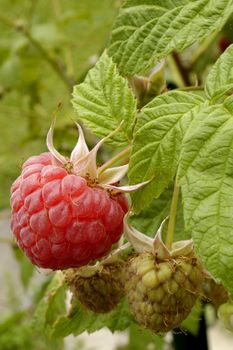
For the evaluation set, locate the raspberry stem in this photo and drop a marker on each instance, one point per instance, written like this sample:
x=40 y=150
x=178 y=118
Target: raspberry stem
x=172 y=216
x=121 y=155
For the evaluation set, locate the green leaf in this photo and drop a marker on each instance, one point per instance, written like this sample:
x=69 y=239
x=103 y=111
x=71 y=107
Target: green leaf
x=220 y=78
x=157 y=142
x=142 y=339
x=192 y=322
x=51 y=306
x=149 y=220
x=149 y=30
x=26 y=267
x=104 y=100
x=206 y=176
x=11 y=321
x=80 y=320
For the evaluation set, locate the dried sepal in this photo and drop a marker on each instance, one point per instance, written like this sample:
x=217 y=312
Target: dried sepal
x=159 y=248
x=112 y=175
x=129 y=188
x=140 y=242
x=59 y=158
x=81 y=148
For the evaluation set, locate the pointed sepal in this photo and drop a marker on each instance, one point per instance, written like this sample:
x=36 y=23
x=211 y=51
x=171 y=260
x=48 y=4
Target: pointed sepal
x=86 y=165
x=126 y=189
x=114 y=256
x=112 y=175
x=59 y=158
x=138 y=240
x=160 y=250
x=81 y=148
x=183 y=248
x=142 y=243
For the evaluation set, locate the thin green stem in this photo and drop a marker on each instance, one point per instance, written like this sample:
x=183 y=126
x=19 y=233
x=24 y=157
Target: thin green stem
x=172 y=216
x=202 y=48
x=177 y=76
x=57 y=66
x=184 y=72
x=191 y=88
x=121 y=155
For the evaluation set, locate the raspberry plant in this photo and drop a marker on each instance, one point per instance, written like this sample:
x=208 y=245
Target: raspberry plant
x=178 y=143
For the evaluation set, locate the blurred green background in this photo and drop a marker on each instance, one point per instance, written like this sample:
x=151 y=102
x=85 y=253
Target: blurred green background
x=45 y=48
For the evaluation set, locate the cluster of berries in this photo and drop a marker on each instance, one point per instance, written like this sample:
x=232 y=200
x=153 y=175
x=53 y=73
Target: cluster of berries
x=69 y=213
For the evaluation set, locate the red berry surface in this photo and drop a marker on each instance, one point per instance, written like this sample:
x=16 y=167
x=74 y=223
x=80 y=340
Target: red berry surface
x=59 y=221
x=224 y=43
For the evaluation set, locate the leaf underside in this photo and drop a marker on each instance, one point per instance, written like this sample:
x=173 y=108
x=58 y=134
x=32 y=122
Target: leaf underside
x=80 y=320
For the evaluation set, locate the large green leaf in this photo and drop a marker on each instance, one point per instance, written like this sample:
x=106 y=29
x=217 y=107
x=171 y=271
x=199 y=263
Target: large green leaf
x=51 y=306
x=79 y=320
x=149 y=219
x=144 y=339
x=206 y=176
x=192 y=322
x=159 y=132
x=26 y=267
x=149 y=30
x=104 y=100
x=220 y=78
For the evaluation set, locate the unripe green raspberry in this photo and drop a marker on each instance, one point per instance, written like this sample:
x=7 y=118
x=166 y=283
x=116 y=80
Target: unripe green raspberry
x=161 y=293
x=101 y=291
x=225 y=313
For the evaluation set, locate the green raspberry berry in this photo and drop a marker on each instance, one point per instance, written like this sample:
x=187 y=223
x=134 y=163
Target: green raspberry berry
x=161 y=293
x=225 y=313
x=101 y=291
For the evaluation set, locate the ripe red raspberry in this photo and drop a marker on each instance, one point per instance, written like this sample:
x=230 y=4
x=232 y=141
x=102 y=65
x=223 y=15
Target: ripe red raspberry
x=66 y=212
x=60 y=221
x=224 y=43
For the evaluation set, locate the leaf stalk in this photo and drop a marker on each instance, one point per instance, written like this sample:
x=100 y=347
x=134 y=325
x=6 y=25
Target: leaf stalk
x=172 y=216
x=119 y=156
